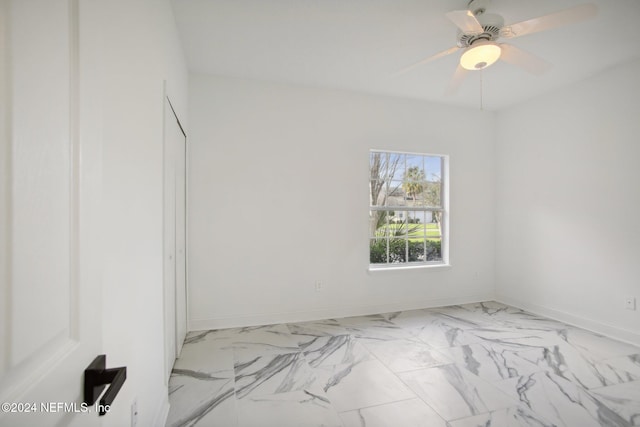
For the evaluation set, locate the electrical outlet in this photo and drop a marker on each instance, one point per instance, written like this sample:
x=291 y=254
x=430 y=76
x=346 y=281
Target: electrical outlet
x=630 y=303
x=134 y=412
x=318 y=286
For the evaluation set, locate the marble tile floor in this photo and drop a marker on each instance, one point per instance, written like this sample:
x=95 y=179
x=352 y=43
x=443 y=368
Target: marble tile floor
x=484 y=364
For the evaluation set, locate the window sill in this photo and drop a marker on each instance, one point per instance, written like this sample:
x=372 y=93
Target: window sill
x=373 y=269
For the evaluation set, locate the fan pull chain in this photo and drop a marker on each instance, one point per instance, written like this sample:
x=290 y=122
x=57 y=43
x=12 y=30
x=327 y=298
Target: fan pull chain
x=481 y=84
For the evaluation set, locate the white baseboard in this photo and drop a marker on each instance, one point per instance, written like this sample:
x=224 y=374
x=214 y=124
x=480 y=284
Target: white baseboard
x=572 y=319
x=328 y=313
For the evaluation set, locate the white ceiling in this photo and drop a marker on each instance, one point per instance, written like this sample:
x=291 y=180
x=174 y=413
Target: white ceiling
x=360 y=44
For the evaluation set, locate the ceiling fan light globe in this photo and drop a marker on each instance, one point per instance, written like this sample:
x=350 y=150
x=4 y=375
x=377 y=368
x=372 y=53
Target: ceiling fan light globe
x=480 y=55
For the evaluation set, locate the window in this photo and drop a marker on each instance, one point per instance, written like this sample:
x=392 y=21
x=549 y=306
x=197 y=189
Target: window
x=407 y=209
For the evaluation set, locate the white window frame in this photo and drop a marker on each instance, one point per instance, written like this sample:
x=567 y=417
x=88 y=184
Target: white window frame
x=444 y=209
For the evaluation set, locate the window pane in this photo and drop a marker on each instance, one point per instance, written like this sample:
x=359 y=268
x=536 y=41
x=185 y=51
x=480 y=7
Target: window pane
x=377 y=164
x=378 y=251
x=433 y=230
x=377 y=173
x=415 y=218
x=430 y=195
x=395 y=166
x=398 y=237
x=393 y=163
x=395 y=195
x=413 y=180
x=433 y=168
x=385 y=177
x=397 y=223
x=433 y=184
x=416 y=236
x=397 y=250
x=416 y=250
x=376 y=193
x=378 y=223
x=433 y=250
x=415 y=167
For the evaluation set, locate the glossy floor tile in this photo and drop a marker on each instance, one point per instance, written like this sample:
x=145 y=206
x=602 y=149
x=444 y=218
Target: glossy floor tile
x=482 y=364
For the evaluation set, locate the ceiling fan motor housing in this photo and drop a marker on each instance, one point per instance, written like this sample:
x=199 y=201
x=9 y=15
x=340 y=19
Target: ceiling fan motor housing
x=478 y=7
x=491 y=25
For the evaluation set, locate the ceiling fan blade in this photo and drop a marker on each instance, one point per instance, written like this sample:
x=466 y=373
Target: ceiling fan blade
x=466 y=21
x=429 y=59
x=457 y=79
x=572 y=15
x=525 y=60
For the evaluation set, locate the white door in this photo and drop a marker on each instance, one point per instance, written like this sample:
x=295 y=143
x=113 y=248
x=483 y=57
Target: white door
x=50 y=324
x=169 y=242
x=174 y=236
x=181 y=235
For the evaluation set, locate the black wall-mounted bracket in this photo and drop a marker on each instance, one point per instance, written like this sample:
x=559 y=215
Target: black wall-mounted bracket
x=96 y=378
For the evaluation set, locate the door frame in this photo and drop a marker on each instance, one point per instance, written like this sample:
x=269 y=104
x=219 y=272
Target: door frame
x=172 y=346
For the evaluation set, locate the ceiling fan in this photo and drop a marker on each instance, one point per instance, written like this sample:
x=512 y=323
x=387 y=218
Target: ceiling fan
x=479 y=33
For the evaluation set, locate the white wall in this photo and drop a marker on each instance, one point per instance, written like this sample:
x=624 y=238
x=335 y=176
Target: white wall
x=138 y=49
x=568 y=197
x=300 y=156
